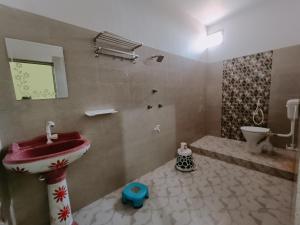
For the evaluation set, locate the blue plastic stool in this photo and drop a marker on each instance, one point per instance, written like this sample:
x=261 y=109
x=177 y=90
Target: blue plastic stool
x=135 y=194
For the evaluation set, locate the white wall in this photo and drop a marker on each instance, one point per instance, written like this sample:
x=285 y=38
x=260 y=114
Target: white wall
x=155 y=25
x=272 y=25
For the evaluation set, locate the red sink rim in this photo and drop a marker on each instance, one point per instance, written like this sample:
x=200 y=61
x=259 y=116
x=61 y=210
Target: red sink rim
x=43 y=138
x=12 y=156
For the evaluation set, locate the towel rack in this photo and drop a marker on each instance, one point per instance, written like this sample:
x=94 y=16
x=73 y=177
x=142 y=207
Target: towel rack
x=107 y=43
x=116 y=53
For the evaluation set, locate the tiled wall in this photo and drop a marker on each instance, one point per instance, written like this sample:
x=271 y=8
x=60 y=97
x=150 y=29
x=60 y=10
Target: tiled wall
x=285 y=84
x=213 y=98
x=123 y=145
x=246 y=80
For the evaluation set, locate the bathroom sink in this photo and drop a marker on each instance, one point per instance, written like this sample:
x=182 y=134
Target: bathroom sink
x=36 y=156
x=42 y=140
x=50 y=155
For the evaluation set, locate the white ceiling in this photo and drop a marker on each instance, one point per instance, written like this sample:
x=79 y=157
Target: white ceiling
x=206 y=12
x=210 y=11
x=168 y=25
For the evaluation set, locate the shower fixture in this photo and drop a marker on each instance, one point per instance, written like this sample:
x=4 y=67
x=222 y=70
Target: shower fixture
x=156 y=129
x=159 y=58
x=258 y=112
x=149 y=107
x=160 y=106
x=154 y=91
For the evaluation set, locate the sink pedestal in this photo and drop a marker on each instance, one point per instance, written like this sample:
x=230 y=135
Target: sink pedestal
x=59 y=202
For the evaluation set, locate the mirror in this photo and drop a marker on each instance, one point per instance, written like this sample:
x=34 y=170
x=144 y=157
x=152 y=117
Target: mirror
x=37 y=70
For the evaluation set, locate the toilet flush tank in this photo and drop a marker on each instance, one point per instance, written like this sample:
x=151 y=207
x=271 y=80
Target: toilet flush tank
x=292 y=106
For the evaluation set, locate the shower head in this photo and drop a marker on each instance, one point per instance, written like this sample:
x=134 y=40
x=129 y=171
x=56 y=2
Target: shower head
x=159 y=58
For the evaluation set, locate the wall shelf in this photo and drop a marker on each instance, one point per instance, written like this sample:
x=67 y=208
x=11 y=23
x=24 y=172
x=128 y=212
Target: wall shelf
x=97 y=112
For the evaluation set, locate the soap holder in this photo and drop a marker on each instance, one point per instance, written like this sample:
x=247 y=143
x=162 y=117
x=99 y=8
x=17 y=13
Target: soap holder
x=97 y=112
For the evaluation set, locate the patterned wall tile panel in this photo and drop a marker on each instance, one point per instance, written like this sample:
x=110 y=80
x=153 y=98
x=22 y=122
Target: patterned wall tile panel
x=245 y=80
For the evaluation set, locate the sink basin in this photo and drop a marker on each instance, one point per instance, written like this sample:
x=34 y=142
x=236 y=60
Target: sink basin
x=36 y=156
x=42 y=140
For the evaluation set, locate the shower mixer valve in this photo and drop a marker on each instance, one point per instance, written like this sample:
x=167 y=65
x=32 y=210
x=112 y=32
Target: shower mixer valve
x=154 y=91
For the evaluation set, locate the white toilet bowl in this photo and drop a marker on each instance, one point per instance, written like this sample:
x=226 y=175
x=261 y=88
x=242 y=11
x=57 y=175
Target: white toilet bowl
x=253 y=135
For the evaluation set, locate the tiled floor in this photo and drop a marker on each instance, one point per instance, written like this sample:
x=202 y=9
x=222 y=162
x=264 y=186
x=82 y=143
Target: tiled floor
x=282 y=162
x=217 y=193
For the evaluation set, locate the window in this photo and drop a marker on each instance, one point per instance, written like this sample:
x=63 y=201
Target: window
x=33 y=80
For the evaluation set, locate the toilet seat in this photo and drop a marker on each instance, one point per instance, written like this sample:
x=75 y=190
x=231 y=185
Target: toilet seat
x=255 y=129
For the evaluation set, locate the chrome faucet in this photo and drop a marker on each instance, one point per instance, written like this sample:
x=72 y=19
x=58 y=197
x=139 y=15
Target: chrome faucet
x=50 y=136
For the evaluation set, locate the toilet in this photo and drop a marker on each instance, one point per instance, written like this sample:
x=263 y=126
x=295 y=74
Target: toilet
x=253 y=135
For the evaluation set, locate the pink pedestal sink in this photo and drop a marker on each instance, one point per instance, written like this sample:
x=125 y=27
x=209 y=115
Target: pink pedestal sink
x=50 y=160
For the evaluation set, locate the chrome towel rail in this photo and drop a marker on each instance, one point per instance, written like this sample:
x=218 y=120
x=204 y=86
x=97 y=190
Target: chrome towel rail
x=116 y=53
x=107 y=43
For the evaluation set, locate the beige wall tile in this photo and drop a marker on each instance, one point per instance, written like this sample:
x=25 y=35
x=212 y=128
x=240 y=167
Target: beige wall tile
x=123 y=145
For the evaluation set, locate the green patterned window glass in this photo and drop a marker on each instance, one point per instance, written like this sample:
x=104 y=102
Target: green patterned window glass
x=33 y=80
